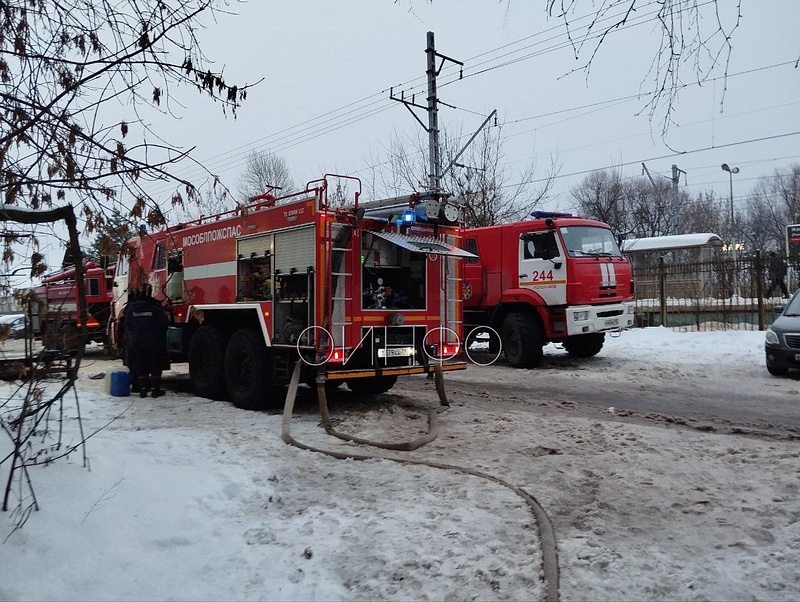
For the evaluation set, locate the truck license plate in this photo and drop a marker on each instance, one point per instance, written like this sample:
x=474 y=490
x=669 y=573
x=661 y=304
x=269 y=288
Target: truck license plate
x=396 y=352
x=612 y=322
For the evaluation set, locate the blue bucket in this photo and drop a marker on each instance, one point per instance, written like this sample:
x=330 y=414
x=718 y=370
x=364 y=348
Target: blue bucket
x=121 y=383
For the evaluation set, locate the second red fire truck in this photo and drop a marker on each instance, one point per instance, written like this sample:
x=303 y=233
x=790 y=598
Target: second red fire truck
x=358 y=292
x=59 y=318
x=555 y=278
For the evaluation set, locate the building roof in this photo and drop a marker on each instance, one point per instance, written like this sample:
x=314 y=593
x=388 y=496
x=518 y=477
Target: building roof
x=669 y=243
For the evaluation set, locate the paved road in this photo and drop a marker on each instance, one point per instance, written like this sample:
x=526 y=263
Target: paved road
x=724 y=398
x=745 y=400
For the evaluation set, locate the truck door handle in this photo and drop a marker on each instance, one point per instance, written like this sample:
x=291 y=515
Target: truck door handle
x=523 y=275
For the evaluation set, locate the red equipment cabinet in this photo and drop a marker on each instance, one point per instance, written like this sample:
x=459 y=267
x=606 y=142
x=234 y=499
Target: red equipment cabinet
x=60 y=320
x=554 y=278
x=363 y=293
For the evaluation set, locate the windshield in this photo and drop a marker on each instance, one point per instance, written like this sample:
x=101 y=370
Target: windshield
x=589 y=241
x=793 y=309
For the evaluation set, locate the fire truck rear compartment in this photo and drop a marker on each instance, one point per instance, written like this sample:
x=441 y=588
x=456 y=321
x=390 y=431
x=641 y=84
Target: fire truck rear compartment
x=261 y=290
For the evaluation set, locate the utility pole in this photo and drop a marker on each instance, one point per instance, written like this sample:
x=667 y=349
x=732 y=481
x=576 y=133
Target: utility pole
x=434 y=183
x=675 y=179
x=432 y=108
x=676 y=176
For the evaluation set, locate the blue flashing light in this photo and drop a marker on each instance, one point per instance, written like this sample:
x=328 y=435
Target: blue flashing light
x=406 y=218
x=543 y=214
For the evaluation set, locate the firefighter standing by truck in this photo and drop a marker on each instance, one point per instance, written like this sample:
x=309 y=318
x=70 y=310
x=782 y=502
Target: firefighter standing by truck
x=146 y=326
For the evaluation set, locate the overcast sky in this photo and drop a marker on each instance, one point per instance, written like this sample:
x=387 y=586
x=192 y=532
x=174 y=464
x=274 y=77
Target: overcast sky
x=327 y=69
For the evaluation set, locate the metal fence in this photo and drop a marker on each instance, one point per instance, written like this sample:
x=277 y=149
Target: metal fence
x=717 y=294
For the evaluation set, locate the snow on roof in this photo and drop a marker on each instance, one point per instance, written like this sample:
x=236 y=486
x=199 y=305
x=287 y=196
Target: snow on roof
x=666 y=243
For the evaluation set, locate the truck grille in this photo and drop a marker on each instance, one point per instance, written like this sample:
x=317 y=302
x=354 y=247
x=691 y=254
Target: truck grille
x=792 y=340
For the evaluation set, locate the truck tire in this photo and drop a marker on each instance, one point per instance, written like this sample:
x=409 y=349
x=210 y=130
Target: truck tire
x=521 y=334
x=585 y=345
x=247 y=372
x=206 y=356
x=371 y=386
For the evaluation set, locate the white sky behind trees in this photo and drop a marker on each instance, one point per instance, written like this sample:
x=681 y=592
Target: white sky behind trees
x=327 y=67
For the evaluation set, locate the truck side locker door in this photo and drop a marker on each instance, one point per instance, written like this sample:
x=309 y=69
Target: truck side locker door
x=543 y=266
x=472 y=289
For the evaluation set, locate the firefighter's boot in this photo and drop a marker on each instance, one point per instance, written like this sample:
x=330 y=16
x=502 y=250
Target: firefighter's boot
x=157 y=392
x=144 y=386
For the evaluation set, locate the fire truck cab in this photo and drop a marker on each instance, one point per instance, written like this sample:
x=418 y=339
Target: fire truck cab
x=555 y=278
x=358 y=292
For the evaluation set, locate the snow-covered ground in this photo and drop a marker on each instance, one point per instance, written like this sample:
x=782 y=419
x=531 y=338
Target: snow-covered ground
x=192 y=499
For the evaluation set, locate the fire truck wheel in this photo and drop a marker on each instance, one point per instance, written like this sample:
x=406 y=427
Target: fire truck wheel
x=247 y=371
x=205 y=363
x=522 y=339
x=371 y=386
x=585 y=345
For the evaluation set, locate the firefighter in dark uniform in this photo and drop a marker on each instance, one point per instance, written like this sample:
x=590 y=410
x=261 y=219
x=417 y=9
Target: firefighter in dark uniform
x=128 y=358
x=146 y=338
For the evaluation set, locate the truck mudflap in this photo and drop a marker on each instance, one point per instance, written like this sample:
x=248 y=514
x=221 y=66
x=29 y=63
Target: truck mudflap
x=585 y=319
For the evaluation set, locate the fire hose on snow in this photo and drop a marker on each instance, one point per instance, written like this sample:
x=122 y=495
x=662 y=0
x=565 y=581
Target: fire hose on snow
x=546 y=532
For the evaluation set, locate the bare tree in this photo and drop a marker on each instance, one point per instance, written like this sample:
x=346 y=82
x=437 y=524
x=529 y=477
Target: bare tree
x=634 y=207
x=264 y=172
x=694 y=39
x=774 y=204
x=654 y=213
x=77 y=79
x=601 y=196
x=492 y=192
x=704 y=213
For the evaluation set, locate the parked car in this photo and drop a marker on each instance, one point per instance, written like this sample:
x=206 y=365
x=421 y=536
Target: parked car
x=782 y=343
x=15 y=324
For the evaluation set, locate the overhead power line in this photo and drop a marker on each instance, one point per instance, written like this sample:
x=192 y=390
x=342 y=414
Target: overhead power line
x=374 y=104
x=305 y=131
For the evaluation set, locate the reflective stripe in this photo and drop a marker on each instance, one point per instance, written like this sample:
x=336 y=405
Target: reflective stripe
x=608 y=275
x=212 y=270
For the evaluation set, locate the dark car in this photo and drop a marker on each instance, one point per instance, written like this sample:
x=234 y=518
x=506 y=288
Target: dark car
x=15 y=324
x=782 y=343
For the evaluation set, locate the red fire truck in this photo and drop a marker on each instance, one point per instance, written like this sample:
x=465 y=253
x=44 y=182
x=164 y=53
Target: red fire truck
x=554 y=278
x=59 y=316
x=358 y=292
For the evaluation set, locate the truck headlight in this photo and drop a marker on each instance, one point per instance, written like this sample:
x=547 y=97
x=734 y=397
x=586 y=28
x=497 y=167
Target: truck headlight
x=581 y=316
x=771 y=338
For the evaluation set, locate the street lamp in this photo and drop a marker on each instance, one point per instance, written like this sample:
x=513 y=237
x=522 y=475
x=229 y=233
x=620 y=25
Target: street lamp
x=731 y=171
